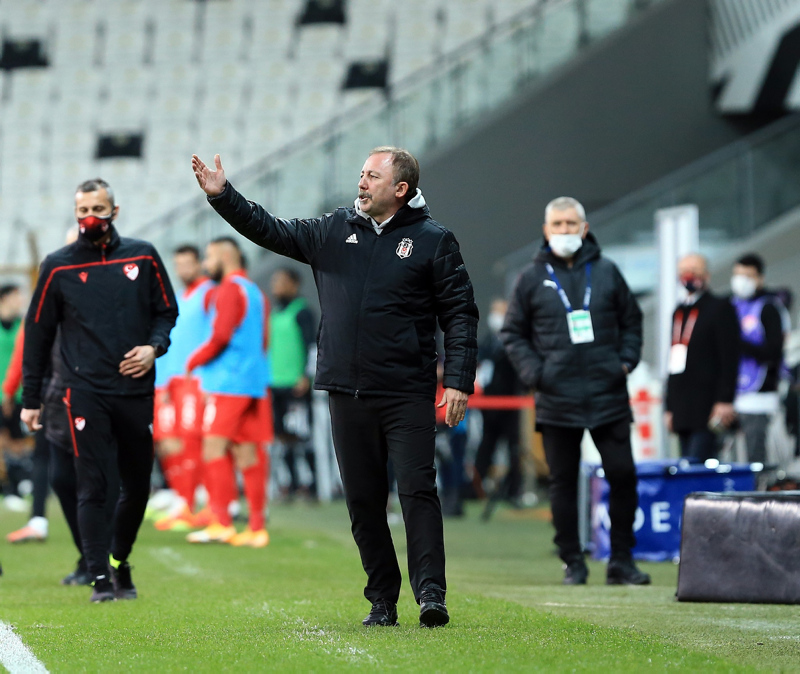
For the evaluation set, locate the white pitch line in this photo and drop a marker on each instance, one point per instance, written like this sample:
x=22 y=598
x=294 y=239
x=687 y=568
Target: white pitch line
x=15 y=656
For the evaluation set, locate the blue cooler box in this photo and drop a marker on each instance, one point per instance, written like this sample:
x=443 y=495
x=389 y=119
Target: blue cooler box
x=663 y=485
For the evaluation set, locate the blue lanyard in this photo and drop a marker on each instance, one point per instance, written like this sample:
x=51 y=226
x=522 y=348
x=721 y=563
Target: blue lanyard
x=587 y=295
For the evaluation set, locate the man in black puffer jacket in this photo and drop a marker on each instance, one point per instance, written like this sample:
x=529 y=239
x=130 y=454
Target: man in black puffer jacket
x=574 y=332
x=385 y=272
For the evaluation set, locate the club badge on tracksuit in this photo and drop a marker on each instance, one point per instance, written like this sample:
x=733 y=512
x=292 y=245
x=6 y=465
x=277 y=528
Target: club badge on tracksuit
x=404 y=248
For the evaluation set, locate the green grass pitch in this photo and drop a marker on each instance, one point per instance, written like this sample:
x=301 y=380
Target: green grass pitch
x=297 y=605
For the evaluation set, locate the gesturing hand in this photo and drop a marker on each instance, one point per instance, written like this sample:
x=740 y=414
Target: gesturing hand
x=456 y=402
x=211 y=182
x=138 y=361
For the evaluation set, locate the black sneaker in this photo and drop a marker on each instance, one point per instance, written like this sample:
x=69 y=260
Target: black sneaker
x=432 y=608
x=103 y=590
x=575 y=572
x=622 y=571
x=80 y=576
x=383 y=614
x=121 y=579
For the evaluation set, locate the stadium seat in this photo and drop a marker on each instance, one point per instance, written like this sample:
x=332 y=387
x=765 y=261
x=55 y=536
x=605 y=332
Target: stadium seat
x=175 y=35
x=225 y=25
x=561 y=34
x=124 y=33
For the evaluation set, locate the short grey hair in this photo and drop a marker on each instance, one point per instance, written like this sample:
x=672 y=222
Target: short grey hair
x=562 y=204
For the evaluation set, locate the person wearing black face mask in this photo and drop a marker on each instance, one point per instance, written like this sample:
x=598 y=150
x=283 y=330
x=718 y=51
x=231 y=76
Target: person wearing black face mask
x=703 y=364
x=113 y=302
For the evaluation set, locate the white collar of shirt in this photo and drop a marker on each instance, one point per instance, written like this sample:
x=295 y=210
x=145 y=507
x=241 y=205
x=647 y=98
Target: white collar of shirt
x=417 y=202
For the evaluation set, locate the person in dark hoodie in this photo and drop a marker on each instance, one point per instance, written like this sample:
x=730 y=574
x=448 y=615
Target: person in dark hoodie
x=573 y=332
x=386 y=273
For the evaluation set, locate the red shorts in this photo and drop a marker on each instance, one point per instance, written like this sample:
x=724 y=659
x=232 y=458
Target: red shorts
x=163 y=416
x=188 y=400
x=178 y=410
x=238 y=418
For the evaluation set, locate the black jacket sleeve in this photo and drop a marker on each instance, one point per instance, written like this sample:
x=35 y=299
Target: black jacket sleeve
x=769 y=353
x=728 y=346
x=298 y=239
x=629 y=316
x=457 y=314
x=517 y=336
x=163 y=306
x=308 y=328
x=41 y=325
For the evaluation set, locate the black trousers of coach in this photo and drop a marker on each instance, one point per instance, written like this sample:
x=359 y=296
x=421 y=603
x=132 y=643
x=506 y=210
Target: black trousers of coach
x=367 y=432
x=562 y=446
x=112 y=438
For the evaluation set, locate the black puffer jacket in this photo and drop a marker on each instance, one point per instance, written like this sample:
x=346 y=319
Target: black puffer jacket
x=380 y=296
x=577 y=385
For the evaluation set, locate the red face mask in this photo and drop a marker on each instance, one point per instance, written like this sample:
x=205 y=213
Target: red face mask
x=692 y=283
x=95 y=227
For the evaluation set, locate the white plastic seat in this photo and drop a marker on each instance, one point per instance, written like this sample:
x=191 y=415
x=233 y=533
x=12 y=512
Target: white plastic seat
x=72 y=142
x=175 y=35
x=33 y=85
x=603 y=16
x=124 y=24
x=224 y=31
x=132 y=81
x=271 y=33
x=262 y=136
x=505 y=10
x=317 y=41
x=75 y=44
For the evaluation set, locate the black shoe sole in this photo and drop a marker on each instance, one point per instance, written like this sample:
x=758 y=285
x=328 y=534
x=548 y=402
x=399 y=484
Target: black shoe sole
x=434 y=616
x=125 y=594
x=394 y=624
x=622 y=581
x=99 y=599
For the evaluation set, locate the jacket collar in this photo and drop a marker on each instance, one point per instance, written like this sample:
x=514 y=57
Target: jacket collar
x=414 y=211
x=588 y=252
x=110 y=245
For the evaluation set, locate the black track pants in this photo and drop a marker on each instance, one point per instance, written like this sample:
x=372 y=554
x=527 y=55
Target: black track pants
x=367 y=432
x=563 y=449
x=112 y=438
x=41 y=466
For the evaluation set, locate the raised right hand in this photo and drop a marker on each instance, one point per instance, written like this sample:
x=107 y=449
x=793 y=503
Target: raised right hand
x=211 y=182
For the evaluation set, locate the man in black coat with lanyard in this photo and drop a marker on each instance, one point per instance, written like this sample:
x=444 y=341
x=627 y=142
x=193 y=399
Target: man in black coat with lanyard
x=386 y=272
x=574 y=332
x=112 y=303
x=703 y=364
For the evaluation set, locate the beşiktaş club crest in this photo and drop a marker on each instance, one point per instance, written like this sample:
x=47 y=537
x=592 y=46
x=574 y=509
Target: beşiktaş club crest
x=404 y=248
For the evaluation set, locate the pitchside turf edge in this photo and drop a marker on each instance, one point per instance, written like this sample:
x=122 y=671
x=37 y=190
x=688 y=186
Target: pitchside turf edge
x=297 y=606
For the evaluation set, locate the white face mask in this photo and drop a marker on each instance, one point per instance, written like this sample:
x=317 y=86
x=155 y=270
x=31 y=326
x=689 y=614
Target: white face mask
x=566 y=245
x=495 y=322
x=743 y=286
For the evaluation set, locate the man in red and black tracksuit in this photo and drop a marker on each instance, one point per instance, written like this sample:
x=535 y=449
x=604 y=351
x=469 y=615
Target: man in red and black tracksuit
x=113 y=302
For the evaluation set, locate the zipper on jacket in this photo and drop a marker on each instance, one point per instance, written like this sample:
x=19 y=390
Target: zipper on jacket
x=361 y=309
x=356 y=396
x=103 y=252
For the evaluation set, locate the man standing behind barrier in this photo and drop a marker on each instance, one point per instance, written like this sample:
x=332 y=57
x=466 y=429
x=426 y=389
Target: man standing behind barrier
x=574 y=332
x=113 y=301
x=703 y=364
x=385 y=271
x=761 y=319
